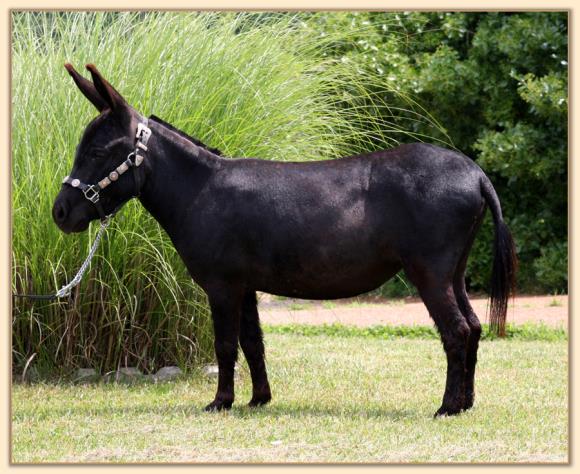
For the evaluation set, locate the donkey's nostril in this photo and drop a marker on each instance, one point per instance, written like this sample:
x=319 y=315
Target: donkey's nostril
x=59 y=212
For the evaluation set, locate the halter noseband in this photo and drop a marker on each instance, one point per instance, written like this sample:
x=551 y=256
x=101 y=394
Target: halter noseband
x=134 y=160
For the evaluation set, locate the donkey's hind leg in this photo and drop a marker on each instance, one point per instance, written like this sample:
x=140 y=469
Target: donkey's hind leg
x=469 y=315
x=472 y=340
x=252 y=343
x=440 y=300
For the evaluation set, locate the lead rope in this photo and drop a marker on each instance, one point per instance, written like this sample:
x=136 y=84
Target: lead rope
x=66 y=289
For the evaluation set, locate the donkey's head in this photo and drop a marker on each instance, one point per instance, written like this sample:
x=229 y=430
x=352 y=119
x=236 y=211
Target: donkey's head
x=97 y=184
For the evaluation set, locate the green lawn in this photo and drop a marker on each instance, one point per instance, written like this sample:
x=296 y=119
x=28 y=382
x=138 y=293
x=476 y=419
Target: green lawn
x=336 y=399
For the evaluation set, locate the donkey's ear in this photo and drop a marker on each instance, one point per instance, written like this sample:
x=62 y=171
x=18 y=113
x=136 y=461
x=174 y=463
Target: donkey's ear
x=87 y=88
x=113 y=99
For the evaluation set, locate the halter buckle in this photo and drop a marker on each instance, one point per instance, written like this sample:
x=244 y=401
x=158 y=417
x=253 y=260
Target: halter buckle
x=143 y=133
x=91 y=193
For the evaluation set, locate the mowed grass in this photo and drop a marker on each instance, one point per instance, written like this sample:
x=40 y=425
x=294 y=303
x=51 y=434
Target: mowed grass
x=336 y=399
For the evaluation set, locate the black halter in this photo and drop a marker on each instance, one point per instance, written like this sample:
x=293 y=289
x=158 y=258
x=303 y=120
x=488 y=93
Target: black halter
x=134 y=160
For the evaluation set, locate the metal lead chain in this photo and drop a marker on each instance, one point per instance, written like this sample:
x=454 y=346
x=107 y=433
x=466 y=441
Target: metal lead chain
x=66 y=290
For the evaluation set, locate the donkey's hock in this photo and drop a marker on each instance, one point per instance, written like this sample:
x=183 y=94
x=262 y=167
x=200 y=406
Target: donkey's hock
x=247 y=225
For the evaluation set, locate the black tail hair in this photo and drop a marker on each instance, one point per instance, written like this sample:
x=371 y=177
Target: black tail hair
x=505 y=262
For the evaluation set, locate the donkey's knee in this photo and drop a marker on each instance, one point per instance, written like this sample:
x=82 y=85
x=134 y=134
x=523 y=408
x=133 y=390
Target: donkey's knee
x=226 y=351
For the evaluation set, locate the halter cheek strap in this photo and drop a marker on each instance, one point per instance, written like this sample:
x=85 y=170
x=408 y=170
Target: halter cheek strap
x=134 y=160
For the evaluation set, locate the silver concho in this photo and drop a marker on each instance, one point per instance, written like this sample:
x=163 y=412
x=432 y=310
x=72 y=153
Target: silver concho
x=113 y=176
x=122 y=168
x=104 y=183
x=75 y=183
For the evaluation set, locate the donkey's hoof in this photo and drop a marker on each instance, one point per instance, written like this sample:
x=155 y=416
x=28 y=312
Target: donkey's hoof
x=447 y=411
x=219 y=405
x=259 y=401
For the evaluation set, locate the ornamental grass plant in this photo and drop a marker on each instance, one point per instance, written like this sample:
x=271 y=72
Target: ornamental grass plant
x=250 y=85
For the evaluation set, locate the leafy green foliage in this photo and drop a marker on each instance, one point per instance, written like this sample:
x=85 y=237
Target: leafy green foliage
x=549 y=266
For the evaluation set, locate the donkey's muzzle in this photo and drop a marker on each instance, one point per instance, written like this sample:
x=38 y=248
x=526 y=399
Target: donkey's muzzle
x=68 y=219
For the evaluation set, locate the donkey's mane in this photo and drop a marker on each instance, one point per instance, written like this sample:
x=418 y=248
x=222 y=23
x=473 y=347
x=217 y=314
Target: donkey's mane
x=193 y=140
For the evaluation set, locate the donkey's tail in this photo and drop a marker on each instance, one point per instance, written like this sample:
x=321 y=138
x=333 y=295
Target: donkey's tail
x=504 y=262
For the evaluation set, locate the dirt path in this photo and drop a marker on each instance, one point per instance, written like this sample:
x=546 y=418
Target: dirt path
x=551 y=310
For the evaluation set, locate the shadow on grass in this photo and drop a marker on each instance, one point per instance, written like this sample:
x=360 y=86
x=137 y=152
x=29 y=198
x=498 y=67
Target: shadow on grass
x=297 y=410
x=240 y=410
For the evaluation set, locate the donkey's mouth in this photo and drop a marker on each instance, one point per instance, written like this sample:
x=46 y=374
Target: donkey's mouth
x=81 y=226
x=74 y=228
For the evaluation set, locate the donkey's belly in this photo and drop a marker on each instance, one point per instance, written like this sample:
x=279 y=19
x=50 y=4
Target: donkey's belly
x=328 y=284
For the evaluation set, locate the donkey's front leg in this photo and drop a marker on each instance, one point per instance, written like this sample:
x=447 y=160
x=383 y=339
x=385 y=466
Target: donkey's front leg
x=225 y=307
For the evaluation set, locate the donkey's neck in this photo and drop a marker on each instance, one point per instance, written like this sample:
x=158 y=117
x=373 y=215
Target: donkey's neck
x=176 y=171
